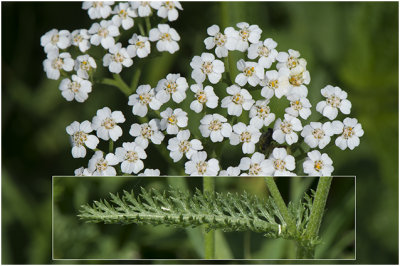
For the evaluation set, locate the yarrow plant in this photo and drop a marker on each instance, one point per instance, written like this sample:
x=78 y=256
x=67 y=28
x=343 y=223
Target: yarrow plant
x=232 y=103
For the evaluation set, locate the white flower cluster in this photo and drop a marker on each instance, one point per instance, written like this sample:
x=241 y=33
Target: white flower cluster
x=266 y=76
x=111 y=22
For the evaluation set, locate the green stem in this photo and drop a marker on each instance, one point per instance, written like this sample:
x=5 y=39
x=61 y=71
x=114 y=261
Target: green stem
x=273 y=189
x=318 y=207
x=148 y=25
x=141 y=29
x=247 y=245
x=119 y=83
x=135 y=79
x=111 y=146
x=209 y=237
x=317 y=212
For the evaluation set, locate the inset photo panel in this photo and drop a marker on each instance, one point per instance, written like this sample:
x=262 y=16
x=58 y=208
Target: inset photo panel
x=200 y=218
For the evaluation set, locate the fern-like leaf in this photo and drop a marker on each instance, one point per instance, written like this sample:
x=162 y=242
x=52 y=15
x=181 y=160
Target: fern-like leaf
x=225 y=211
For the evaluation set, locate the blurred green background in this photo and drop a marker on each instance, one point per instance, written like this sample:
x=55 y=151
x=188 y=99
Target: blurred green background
x=351 y=45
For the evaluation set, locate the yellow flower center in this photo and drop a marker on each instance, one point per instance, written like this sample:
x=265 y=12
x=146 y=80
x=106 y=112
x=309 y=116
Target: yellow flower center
x=145 y=98
x=255 y=169
x=333 y=101
x=131 y=156
x=296 y=80
x=201 y=167
x=85 y=65
x=79 y=138
x=348 y=132
x=296 y=105
x=140 y=44
x=248 y=71
x=273 y=84
x=97 y=4
x=207 y=68
x=169 y=4
x=123 y=13
x=220 y=39
x=201 y=96
x=262 y=111
x=118 y=58
x=103 y=32
x=146 y=132
x=237 y=98
x=75 y=86
x=101 y=165
x=318 y=133
x=171 y=86
x=55 y=38
x=172 y=120
x=279 y=164
x=184 y=146
x=244 y=34
x=165 y=37
x=108 y=123
x=263 y=51
x=286 y=127
x=245 y=136
x=318 y=165
x=215 y=125
x=292 y=62
x=57 y=63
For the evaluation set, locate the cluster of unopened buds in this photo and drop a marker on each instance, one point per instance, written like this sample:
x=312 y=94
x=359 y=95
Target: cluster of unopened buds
x=240 y=114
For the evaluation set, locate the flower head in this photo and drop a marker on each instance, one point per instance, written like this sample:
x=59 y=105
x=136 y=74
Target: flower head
x=252 y=73
x=275 y=83
x=257 y=165
x=100 y=166
x=265 y=51
x=77 y=88
x=284 y=131
x=54 y=40
x=123 y=16
x=166 y=37
x=261 y=115
x=336 y=99
x=280 y=163
x=56 y=62
x=216 y=127
x=103 y=34
x=81 y=39
x=181 y=145
x=105 y=123
x=172 y=120
x=218 y=40
x=248 y=135
x=206 y=66
x=144 y=97
x=199 y=166
x=98 y=9
x=174 y=85
x=202 y=97
x=83 y=65
x=80 y=137
x=169 y=9
x=238 y=100
x=117 y=58
x=140 y=46
x=147 y=131
x=130 y=155
x=350 y=134
x=318 y=164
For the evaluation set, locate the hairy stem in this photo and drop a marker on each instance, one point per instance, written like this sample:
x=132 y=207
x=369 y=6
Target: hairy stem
x=317 y=212
x=135 y=79
x=273 y=189
x=209 y=236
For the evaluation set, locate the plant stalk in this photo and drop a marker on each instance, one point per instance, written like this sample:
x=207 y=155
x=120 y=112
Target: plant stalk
x=317 y=212
x=273 y=189
x=209 y=237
